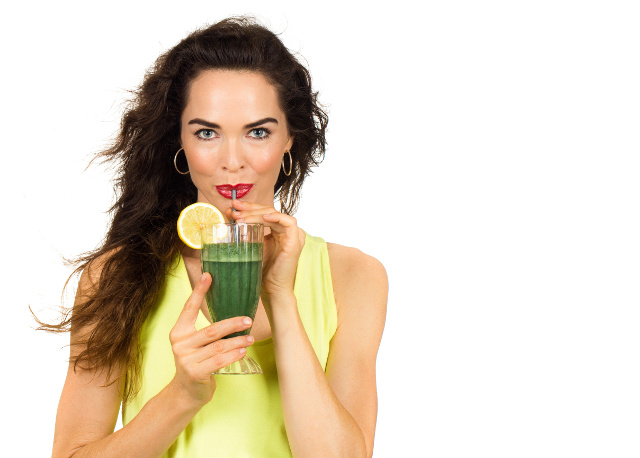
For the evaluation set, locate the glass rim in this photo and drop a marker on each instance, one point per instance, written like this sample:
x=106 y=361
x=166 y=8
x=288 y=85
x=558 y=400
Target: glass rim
x=230 y=224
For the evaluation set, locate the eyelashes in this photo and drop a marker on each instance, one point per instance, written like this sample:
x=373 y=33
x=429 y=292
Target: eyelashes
x=266 y=131
x=209 y=134
x=205 y=134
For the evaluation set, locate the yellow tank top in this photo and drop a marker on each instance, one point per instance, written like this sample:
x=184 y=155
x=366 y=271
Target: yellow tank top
x=244 y=418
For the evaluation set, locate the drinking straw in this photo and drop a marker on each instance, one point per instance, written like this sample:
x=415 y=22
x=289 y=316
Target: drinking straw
x=233 y=221
x=233 y=196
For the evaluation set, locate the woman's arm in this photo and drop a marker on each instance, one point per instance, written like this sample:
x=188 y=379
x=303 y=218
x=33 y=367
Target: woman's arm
x=334 y=414
x=87 y=415
x=88 y=409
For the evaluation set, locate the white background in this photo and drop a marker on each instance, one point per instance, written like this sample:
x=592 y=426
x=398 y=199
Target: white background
x=500 y=137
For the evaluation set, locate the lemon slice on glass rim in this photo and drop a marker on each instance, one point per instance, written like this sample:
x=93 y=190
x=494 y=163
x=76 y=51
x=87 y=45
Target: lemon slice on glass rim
x=196 y=216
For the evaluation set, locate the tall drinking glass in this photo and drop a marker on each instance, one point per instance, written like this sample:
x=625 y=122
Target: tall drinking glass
x=232 y=254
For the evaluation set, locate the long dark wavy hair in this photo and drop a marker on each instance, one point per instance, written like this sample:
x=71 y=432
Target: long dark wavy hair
x=142 y=240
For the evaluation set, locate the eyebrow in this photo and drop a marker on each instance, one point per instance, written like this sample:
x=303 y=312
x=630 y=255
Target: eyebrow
x=213 y=125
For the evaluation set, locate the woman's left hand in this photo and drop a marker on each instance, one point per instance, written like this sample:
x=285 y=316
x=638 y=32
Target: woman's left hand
x=282 y=247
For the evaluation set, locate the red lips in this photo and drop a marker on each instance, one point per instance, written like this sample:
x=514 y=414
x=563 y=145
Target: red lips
x=241 y=190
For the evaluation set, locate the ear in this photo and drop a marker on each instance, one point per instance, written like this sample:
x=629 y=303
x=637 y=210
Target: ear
x=289 y=144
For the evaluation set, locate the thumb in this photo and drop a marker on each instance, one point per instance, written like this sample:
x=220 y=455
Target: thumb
x=190 y=310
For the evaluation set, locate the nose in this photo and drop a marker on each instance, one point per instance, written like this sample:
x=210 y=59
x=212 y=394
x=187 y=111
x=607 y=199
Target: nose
x=231 y=157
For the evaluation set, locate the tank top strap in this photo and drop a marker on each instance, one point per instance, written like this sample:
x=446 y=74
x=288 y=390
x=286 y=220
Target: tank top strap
x=314 y=292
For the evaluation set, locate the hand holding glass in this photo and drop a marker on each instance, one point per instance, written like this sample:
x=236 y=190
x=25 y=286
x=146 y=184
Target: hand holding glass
x=232 y=254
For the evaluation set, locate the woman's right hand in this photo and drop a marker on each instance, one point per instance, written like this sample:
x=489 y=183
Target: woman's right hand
x=198 y=354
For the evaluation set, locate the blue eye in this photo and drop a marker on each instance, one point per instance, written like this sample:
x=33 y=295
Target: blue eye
x=262 y=133
x=206 y=134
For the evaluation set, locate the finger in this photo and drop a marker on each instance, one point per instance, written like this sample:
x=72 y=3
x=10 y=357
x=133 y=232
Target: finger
x=223 y=346
x=216 y=362
x=253 y=211
x=248 y=213
x=231 y=213
x=231 y=216
x=281 y=223
x=243 y=205
x=239 y=214
x=219 y=329
x=189 y=314
x=267 y=216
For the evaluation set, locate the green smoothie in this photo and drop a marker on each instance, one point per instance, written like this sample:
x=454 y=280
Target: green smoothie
x=236 y=270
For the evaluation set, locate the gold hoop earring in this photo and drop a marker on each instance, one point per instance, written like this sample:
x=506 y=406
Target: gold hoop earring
x=175 y=164
x=290 y=164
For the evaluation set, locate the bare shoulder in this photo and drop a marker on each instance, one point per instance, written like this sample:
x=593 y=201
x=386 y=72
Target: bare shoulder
x=357 y=278
x=87 y=284
x=347 y=257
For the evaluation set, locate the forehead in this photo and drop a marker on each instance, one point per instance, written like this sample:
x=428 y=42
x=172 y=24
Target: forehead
x=221 y=95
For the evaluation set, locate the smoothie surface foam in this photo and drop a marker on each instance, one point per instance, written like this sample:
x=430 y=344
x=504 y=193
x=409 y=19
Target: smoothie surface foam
x=231 y=252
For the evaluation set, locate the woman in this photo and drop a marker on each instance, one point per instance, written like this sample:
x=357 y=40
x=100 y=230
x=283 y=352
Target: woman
x=228 y=105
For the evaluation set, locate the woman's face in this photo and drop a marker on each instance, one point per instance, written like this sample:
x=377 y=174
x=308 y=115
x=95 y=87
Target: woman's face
x=234 y=132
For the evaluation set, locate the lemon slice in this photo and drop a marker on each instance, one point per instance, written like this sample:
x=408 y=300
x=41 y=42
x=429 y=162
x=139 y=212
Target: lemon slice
x=193 y=218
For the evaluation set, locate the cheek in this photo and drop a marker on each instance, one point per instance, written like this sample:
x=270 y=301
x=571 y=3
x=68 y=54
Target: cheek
x=267 y=163
x=202 y=162
x=198 y=155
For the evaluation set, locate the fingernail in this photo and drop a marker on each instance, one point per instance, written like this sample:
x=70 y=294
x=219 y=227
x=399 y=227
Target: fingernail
x=267 y=215
x=243 y=350
x=203 y=278
x=247 y=321
x=250 y=339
